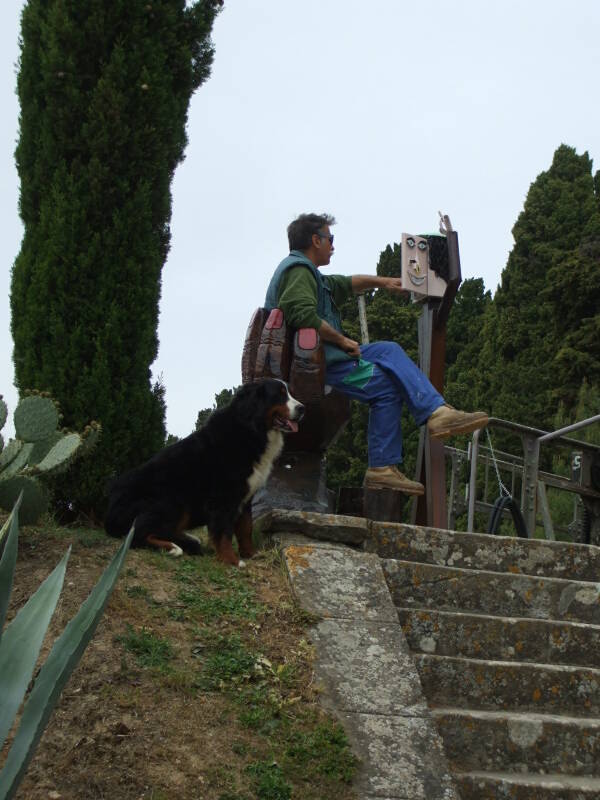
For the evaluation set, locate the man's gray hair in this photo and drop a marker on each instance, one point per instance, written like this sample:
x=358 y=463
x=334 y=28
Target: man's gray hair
x=302 y=229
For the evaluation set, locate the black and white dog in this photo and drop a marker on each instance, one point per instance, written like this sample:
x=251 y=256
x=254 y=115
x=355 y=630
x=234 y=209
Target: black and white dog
x=208 y=478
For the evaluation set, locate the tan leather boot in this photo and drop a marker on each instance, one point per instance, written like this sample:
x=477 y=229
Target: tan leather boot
x=447 y=421
x=391 y=478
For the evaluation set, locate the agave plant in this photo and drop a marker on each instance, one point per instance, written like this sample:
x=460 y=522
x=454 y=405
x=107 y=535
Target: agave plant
x=20 y=645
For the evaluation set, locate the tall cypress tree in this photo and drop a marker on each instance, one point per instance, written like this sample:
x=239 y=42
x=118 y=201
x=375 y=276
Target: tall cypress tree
x=104 y=89
x=541 y=332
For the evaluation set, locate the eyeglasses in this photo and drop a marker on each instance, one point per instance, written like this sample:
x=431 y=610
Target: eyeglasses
x=326 y=236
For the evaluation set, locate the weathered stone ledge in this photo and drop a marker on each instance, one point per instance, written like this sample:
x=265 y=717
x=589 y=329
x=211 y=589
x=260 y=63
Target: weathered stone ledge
x=499 y=594
x=455 y=633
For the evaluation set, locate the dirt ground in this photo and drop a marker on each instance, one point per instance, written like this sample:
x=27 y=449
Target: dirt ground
x=198 y=682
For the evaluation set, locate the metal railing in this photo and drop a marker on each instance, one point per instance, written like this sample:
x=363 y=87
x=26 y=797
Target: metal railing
x=525 y=470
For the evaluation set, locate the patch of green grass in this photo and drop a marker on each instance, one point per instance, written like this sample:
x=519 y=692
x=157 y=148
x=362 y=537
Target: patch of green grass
x=137 y=590
x=269 y=782
x=226 y=661
x=214 y=591
x=260 y=709
x=219 y=777
x=240 y=748
x=177 y=614
x=91 y=538
x=150 y=651
x=325 y=748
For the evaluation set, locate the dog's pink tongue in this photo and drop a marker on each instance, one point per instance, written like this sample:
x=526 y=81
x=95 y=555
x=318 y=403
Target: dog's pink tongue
x=293 y=426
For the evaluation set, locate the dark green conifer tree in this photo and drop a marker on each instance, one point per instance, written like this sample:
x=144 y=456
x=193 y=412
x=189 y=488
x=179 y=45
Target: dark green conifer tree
x=464 y=343
x=542 y=329
x=104 y=88
x=222 y=400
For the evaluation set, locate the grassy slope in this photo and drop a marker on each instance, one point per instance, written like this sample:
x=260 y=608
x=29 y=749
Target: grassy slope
x=197 y=684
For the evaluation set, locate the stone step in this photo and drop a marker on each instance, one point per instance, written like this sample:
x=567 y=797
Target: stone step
x=482 y=551
x=502 y=786
x=426 y=586
x=511 y=742
x=502 y=685
x=453 y=633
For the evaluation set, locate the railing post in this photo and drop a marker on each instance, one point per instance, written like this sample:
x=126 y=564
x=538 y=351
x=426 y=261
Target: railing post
x=473 y=481
x=531 y=453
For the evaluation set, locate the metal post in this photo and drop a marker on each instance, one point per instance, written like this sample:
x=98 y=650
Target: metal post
x=473 y=481
x=545 y=509
x=531 y=449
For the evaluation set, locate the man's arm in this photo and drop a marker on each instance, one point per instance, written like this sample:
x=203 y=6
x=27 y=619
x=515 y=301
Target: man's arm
x=329 y=334
x=363 y=283
x=298 y=301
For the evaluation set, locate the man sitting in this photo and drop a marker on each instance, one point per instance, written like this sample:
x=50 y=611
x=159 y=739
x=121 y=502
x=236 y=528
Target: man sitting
x=380 y=374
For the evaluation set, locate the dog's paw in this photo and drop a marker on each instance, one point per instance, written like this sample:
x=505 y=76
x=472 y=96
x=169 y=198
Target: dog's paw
x=242 y=564
x=175 y=551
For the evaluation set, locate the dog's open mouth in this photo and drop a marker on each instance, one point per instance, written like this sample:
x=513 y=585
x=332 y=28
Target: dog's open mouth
x=285 y=425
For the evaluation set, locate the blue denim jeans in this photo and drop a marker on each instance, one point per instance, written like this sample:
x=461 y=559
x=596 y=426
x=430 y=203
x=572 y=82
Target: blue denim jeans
x=395 y=380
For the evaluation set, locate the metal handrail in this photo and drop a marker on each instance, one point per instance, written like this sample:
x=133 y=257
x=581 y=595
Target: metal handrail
x=531 y=471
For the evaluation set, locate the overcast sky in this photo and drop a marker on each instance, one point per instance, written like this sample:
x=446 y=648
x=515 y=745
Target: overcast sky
x=380 y=113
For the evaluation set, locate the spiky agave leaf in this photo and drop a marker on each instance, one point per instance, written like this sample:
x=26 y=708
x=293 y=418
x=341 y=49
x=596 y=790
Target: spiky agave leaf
x=21 y=643
x=35 y=417
x=54 y=674
x=8 y=561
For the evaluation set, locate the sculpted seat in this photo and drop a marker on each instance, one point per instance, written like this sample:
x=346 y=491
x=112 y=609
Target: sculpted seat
x=274 y=350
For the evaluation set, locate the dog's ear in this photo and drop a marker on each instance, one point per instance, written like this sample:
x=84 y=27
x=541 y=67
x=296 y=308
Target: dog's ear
x=249 y=403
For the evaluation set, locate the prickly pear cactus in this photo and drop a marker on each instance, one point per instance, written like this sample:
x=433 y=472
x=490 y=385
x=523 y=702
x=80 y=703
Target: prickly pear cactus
x=3 y=415
x=35 y=497
x=3 y=412
x=39 y=450
x=36 y=418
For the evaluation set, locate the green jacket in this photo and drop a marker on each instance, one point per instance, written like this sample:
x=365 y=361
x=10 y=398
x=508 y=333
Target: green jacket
x=307 y=297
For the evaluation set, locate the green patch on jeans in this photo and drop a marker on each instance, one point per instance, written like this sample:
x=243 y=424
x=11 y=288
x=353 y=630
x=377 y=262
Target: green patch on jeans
x=360 y=376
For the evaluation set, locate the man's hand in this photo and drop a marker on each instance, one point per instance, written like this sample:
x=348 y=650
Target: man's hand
x=394 y=285
x=364 y=283
x=329 y=334
x=351 y=347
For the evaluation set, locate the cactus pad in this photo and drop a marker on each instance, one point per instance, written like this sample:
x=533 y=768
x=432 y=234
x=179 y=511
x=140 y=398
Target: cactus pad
x=10 y=452
x=36 y=417
x=43 y=447
x=3 y=412
x=61 y=455
x=18 y=462
x=35 y=497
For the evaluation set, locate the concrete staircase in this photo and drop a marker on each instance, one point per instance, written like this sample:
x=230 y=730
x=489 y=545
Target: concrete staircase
x=506 y=638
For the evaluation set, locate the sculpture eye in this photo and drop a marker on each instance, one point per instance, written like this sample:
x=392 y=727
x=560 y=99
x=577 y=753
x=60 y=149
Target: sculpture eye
x=422 y=246
x=410 y=242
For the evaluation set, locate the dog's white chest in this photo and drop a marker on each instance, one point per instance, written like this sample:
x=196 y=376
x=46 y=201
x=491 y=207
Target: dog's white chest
x=262 y=468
